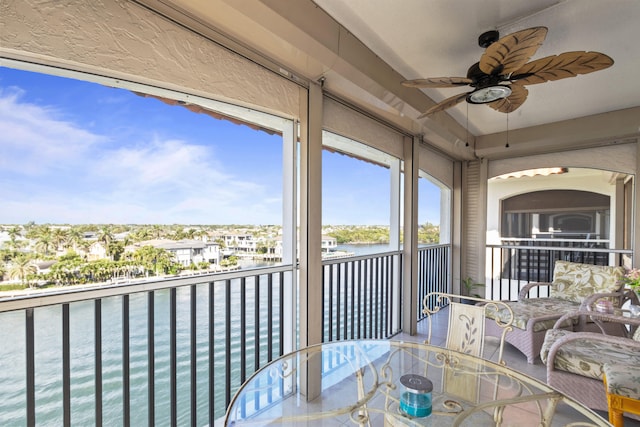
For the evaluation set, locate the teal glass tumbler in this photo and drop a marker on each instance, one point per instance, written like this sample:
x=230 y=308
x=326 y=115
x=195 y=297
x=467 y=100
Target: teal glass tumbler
x=415 y=398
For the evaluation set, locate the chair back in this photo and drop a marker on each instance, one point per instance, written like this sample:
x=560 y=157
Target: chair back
x=465 y=334
x=466 y=328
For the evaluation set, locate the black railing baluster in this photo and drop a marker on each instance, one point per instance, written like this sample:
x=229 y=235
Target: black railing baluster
x=173 y=358
x=243 y=330
x=323 y=305
x=151 y=357
x=227 y=340
x=270 y=330
x=376 y=312
x=97 y=345
x=270 y=317
x=338 y=298
x=66 y=368
x=212 y=338
x=330 y=305
x=503 y=265
x=360 y=302
x=194 y=358
x=513 y=255
x=281 y=315
x=126 y=385
x=353 y=300
x=370 y=263
x=492 y=276
x=256 y=324
x=345 y=301
x=389 y=298
x=31 y=365
x=421 y=287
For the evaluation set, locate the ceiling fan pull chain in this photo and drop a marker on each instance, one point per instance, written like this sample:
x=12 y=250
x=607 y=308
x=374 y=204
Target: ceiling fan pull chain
x=467 y=144
x=507 y=145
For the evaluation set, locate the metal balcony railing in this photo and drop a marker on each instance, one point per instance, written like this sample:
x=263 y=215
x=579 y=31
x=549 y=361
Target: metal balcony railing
x=519 y=261
x=176 y=349
x=434 y=274
x=173 y=350
x=362 y=297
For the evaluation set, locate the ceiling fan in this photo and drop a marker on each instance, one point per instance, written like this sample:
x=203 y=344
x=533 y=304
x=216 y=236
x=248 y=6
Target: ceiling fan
x=499 y=78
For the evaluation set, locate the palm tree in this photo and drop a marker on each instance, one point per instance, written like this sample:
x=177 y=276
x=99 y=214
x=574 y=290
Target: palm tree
x=75 y=238
x=141 y=234
x=59 y=237
x=153 y=259
x=14 y=232
x=105 y=236
x=44 y=243
x=156 y=231
x=21 y=268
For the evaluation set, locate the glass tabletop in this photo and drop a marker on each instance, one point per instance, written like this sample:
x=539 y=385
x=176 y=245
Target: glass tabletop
x=359 y=383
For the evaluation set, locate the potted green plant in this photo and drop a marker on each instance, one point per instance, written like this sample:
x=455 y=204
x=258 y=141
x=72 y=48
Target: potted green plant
x=469 y=289
x=632 y=281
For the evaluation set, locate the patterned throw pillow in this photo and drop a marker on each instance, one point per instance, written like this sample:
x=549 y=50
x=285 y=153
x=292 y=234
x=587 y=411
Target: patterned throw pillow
x=575 y=282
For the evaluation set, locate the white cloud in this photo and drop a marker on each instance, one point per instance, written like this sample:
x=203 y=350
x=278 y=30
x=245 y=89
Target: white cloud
x=37 y=139
x=54 y=170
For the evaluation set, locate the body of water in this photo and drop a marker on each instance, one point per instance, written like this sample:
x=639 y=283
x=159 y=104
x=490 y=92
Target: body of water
x=48 y=358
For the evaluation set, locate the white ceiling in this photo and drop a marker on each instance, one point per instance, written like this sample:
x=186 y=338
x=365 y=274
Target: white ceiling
x=437 y=38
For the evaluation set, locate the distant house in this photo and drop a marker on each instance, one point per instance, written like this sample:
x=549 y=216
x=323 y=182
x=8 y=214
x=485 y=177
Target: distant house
x=329 y=243
x=43 y=267
x=97 y=251
x=185 y=252
x=243 y=243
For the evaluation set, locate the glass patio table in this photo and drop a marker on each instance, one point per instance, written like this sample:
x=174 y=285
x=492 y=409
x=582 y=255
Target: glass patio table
x=358 y=383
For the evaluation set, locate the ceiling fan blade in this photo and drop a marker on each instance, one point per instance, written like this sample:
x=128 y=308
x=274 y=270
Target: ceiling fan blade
x=512 y=102
x=438 y=82
x=556 y=67
x=512 y=51
x=443 y=105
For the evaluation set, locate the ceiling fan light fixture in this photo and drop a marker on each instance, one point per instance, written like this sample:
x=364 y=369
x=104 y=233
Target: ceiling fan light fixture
x=488 y=94
x=505 y=69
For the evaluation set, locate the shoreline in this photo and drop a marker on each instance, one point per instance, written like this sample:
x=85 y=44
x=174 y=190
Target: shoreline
x=36 y=292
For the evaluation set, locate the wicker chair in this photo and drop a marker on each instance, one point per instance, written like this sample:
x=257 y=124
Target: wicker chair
x=574 y=286
x=575 y=360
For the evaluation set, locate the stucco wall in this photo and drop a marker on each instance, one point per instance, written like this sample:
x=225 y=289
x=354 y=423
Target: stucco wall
x=501 y=189
x=117 y=38
x=618 y=158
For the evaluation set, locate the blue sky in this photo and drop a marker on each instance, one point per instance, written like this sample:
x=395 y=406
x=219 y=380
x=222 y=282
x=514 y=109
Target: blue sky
x=79 y=152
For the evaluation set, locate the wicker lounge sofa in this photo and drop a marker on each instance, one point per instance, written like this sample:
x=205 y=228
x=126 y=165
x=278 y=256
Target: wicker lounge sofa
x=575 y=360
x=574 y=285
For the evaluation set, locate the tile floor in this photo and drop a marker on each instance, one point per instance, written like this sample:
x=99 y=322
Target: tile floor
x=513 y=357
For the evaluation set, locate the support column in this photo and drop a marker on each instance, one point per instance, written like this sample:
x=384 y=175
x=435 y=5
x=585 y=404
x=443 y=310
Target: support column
x=617 y=222
x=311 y=237
x=636 y=212
x=290 y=232
x=410 y=247
x=457 y=255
